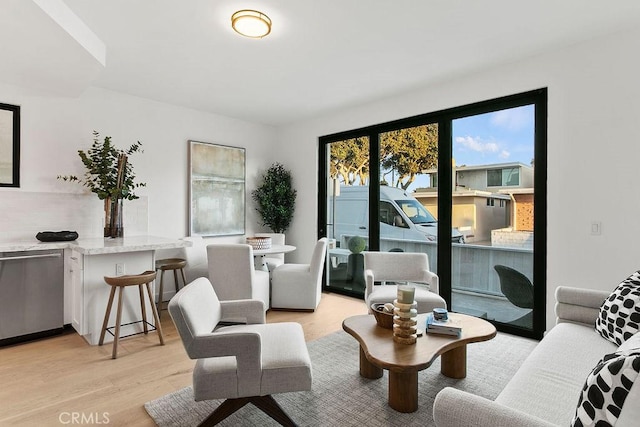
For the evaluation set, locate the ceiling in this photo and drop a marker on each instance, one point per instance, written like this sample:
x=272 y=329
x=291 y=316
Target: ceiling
x=321 y=56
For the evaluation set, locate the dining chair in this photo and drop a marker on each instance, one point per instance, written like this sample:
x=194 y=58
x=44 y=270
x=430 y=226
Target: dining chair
x=299 y=286
x=389 y=268
x=233 y=275
x=245 y=363
x=196 y=257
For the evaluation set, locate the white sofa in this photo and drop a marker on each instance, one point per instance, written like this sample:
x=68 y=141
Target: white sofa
x=546 y=388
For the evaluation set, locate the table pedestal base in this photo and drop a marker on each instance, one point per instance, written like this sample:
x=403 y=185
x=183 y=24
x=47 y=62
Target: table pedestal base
x=368 y=369
x=403 y=386
x=453 y=363
x=403 y=391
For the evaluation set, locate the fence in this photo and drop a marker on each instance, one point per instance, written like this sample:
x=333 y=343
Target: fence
x=472 y=264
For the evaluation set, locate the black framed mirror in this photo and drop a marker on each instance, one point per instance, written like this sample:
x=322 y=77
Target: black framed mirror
x=9 y=145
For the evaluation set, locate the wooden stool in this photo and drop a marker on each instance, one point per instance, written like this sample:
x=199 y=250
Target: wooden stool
x=174 y=264
x=120 y=283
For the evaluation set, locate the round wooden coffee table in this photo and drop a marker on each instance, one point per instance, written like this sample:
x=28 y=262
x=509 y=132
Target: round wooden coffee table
x=378 y=351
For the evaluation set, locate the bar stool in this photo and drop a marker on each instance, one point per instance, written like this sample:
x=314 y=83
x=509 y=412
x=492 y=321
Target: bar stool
x=121 y=282
x=174 y=264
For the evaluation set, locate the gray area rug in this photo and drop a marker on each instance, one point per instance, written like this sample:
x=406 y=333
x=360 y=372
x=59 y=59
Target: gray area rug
x=340 y=397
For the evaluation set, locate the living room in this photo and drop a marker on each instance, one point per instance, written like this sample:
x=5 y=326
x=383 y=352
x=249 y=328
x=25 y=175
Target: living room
x=593 y=106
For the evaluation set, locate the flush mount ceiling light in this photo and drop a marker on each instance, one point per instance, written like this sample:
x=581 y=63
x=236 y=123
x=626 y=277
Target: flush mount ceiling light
x=251 y=23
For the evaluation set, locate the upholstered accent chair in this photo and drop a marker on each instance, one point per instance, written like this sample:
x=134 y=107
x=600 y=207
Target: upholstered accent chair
x=196 y=257
x=389 y=268
x=242 y=363
x=299 y=286
x=233 y=275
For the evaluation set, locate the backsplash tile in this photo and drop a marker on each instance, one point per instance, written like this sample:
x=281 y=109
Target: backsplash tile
x=24 y=214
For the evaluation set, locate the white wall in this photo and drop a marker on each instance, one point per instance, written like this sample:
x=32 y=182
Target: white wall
x=594 y=104
x=593 y=149
x=53 y=129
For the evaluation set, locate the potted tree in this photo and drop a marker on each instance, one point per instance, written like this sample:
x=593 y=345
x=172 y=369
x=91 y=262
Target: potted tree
x=111 y=177
x=275 y=198
x=355 y=262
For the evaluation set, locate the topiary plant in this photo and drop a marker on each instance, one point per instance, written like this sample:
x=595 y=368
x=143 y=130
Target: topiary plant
x=357 y=244
x=276 y=198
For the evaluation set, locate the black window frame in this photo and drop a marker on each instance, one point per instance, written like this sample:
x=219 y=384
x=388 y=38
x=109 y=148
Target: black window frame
x=15 y=157
x=444 y=119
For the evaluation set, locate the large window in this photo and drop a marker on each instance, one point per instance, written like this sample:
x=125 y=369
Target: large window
x=459 y=185
x=503 y=177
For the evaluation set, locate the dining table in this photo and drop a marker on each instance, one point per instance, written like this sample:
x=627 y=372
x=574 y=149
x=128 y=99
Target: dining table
x=260 y=255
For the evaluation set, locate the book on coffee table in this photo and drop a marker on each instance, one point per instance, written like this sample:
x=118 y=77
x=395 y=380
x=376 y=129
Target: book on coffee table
x=446 y=327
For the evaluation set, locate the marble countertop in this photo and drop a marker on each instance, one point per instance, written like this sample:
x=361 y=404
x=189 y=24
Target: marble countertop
x=98 y=246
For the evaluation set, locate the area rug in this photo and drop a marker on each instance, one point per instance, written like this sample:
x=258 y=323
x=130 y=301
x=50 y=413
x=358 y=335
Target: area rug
x=340 y=397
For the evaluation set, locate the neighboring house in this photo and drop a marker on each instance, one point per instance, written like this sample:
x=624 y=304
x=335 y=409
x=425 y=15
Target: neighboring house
x=494 y=177
x=474 y=213
x=488 y=198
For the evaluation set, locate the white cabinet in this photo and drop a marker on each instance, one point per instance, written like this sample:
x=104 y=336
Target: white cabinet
x=86 y=294
x=90 y=293
x=76 y=288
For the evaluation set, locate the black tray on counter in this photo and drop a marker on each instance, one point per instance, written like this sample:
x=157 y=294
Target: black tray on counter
x=57 y=236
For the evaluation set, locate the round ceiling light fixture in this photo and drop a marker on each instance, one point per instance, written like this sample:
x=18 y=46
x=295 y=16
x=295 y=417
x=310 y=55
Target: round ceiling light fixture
x=251 y=23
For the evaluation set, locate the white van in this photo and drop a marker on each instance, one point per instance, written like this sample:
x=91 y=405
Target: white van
x=402 y=217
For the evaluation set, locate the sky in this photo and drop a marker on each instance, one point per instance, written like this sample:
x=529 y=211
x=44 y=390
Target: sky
x=498 y=137
x=503 y=136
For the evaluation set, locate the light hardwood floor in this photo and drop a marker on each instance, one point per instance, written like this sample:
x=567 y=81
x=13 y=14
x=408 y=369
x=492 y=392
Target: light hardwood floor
x=47 y=382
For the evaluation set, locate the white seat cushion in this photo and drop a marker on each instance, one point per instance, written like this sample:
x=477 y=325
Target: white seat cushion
x=286 y=365
x=549 y=382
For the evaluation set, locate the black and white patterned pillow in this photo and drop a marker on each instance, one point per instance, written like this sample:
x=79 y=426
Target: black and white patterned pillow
x=606 y=389
x=632 y=343
x=619 y=316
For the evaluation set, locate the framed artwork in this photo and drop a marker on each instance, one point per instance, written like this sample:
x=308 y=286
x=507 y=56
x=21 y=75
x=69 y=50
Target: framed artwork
x=217 y=189
x=9 y=145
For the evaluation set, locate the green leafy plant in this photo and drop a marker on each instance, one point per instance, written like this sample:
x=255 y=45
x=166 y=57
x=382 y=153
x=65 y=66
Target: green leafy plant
x=108 y=174
x=357 y=244
x=276 y=198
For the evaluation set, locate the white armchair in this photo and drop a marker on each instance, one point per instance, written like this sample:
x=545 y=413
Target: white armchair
x=299 y=286
x=240 y=363
x=400 y=267
x=196 y=257
x=232 y=273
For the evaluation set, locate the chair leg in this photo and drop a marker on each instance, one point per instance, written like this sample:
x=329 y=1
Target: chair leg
x=156 y=318
x=266 y=404
x=106 y=315
x=161 y=291
x=184 y=279
x=116 y=336
x=269 y=406
x=225 y=409
x=144 y=310
x=175 y=279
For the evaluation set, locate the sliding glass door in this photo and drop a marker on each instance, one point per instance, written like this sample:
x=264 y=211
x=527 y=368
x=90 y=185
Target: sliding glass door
x=463 y=186
x=492 y=203
x=347 y=213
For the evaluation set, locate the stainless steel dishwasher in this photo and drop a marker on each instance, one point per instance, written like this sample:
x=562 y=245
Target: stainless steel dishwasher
x=31 y=295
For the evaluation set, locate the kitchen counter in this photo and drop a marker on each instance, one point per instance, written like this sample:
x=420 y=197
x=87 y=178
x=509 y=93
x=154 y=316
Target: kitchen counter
x=98 y=246
x=87 y=262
